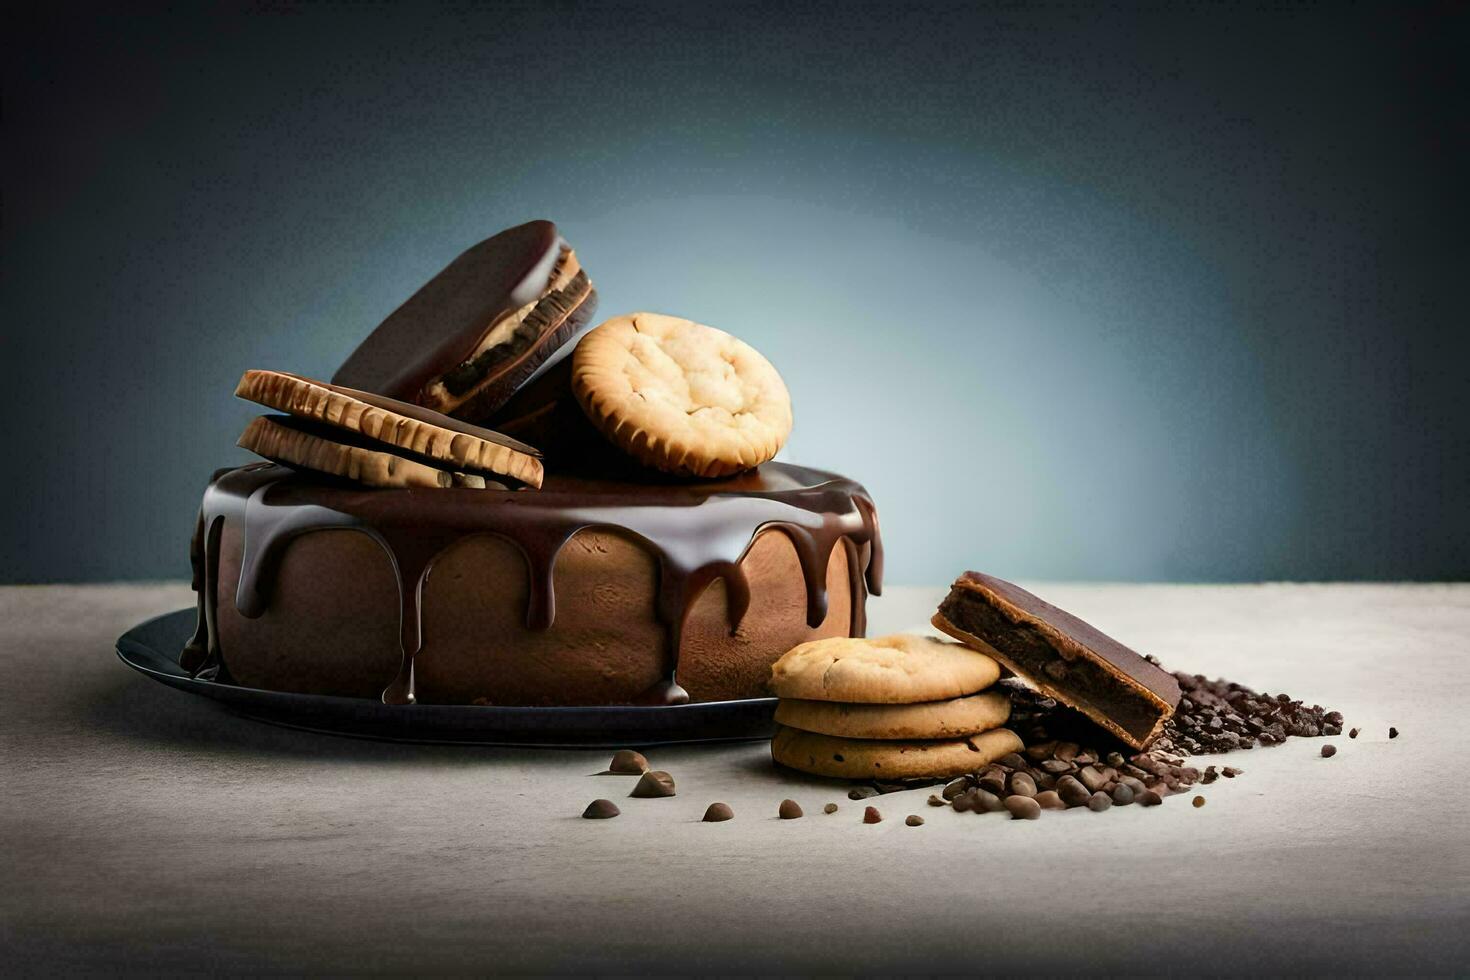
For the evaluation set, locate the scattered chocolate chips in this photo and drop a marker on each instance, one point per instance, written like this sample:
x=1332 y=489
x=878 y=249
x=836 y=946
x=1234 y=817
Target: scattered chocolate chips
x=1353 y=733
x=600 y=810
x=1221 y=716
x=1198 y=802
x=1023 y=808
x=871 y=815
x=626 y=762
x=790 y=810
x=914 y=820
x=1393 y=733
x=829 y=808
x=1328 y=751
x=936 y=800
x=718 y=813
x=653 y=784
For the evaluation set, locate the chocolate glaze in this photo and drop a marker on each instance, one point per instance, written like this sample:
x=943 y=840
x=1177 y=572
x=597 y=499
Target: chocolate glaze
x=697 y=532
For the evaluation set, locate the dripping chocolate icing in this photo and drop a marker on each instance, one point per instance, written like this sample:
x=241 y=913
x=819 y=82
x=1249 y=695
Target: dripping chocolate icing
x=697 y=532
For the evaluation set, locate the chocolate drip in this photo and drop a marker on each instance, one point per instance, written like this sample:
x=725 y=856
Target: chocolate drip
x=270 y=506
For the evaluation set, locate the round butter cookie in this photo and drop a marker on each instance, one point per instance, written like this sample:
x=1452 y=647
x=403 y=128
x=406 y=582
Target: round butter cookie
x=900 y=669
x=861 y=758
x=954 y=718
x=679 y=396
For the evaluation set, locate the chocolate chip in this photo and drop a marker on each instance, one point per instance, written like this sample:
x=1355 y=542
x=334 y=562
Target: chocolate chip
x=1012 y=761
x=956 y=788
x=988 y=802
x=829 y=808
x=1149 y=798
x=1049 y=800
x=1056 y=767
x=1041 y=750
x=861 y=793
x=993 y=782
x=935 y=800
x=654 y=783
x=1328 y=751
x=718 y=813
x=1198 y=802
x=1393 y=733
x=1072 y=792
x=626 y=762
x=1122 y=794
x=600 y=810
x=914 y=820
x=1023 y=808
x=1099 y=802
x=789 y=810
x=1092 y=778
x=1022 y=785
x=1230 y=772
x=1353 y=733
x=871 y=815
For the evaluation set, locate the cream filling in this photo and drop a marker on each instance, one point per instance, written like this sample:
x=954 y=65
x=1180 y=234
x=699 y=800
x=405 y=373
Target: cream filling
x=505 y=326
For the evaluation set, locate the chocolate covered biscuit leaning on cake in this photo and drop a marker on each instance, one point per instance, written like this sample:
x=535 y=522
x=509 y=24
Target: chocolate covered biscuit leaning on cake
x=479 y=329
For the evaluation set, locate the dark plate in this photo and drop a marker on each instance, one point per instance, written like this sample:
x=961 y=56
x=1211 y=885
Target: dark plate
x=152 y=648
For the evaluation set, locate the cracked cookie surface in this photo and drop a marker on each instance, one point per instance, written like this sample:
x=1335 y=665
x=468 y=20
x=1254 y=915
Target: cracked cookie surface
x=680 y=396
x=900 y=669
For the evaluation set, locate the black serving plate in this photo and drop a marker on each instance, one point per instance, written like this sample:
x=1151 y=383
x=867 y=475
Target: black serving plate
x=152 y=648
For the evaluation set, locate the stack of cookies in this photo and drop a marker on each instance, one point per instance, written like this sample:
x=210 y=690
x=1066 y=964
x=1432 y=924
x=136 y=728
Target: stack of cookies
x=896 y=707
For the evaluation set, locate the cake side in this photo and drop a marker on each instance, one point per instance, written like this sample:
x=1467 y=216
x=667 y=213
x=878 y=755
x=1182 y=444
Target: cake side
x=586 y=593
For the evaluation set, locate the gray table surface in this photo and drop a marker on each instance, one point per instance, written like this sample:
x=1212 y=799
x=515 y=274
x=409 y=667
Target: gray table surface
x=144 y=829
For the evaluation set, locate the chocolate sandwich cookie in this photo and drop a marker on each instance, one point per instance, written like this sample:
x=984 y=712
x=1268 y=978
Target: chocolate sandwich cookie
x=377 y=441
x=1066 y=658
x=478 y=330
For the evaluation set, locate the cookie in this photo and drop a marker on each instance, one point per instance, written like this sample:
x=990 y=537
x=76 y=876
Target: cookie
x=479 y=329
x=1065 y=657
x=954 y=718
x=900 y=669
x=435 y=438
x=857 y=758
x=679 y=396
x=283 y=439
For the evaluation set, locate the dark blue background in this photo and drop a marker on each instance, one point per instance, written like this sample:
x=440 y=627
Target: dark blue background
x=1143 y=292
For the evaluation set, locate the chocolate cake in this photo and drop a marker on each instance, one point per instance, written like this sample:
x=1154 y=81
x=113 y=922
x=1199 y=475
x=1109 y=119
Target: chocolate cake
x=588 y=591
x=393 y=548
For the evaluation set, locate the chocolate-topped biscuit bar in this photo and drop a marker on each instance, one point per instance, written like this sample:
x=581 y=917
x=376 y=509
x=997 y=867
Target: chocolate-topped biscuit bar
x=1068 y=659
